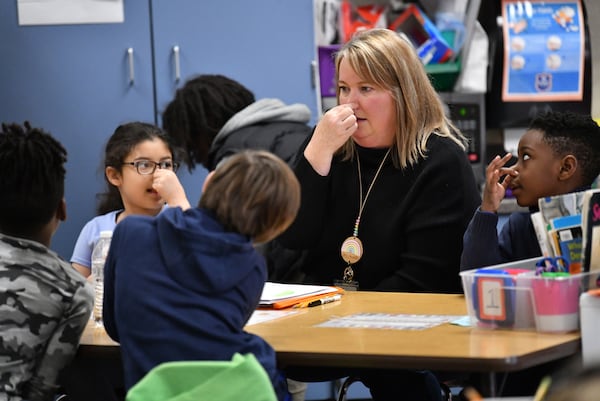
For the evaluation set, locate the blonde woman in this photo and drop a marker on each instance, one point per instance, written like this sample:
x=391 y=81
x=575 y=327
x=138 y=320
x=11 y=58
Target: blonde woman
x=387 y=190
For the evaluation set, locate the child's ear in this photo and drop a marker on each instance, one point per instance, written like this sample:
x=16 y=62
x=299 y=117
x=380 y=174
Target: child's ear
x=61 y=212
x=207 y=179
x=568 y=167
x=113 y=176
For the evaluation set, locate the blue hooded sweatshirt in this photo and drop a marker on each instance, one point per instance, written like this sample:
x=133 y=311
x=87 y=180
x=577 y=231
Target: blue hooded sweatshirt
x=178 y=287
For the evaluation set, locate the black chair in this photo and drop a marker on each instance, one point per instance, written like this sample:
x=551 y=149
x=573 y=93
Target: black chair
x=352 y=379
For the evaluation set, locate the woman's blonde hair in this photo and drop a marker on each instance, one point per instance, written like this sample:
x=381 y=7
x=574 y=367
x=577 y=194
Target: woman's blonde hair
x=254 y=193
x=384 y=58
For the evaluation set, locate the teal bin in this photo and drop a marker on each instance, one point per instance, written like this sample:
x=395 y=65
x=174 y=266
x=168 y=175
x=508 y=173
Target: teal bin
x=443 y=75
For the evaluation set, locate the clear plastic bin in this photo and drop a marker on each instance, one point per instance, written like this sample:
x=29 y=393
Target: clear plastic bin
x=512 y=296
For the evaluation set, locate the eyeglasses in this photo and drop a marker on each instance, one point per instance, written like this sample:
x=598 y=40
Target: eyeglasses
x=147 y=167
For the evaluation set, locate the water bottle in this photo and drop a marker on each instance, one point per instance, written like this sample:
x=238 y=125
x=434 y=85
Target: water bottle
x=98 y=260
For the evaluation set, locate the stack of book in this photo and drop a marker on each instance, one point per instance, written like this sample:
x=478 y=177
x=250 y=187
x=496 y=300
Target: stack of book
x=568 y=225
x=591 y=230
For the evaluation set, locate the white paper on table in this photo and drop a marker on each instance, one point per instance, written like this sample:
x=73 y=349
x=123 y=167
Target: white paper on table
x=273 y=292
x=262 y=315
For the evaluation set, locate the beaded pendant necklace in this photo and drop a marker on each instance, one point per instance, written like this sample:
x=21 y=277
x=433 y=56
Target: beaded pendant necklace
x=352 y=248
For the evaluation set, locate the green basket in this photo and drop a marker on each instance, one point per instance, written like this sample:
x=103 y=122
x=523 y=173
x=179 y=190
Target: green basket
x=443 y=75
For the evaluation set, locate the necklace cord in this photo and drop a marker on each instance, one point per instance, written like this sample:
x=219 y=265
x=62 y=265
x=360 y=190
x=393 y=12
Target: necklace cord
x=362 y=202
x=352 y=249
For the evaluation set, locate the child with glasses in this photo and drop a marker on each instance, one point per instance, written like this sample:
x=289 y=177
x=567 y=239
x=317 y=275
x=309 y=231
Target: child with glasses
x=139 y=167
x=45 y=303
x=201 y=268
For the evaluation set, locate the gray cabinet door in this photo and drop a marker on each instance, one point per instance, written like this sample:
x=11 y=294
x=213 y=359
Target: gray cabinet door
x=267 y=45
x=73 y=80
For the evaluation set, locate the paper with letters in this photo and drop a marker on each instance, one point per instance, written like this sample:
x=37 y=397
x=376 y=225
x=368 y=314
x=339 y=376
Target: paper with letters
x=388 y=321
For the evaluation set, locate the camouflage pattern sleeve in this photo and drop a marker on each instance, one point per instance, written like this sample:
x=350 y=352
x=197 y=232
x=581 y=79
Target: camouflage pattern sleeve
x=45 y=304
x=63 y=344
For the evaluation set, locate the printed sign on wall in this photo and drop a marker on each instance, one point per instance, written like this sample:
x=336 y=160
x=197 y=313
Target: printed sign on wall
x=544 y=49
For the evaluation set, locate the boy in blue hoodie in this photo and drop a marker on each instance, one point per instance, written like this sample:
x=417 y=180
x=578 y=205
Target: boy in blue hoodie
x=192 y=278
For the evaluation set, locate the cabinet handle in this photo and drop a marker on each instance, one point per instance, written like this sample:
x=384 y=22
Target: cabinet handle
x=176 y=61
x=131 y=67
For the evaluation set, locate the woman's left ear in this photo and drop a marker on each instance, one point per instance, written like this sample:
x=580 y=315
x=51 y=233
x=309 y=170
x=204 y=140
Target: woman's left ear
x=568 y=167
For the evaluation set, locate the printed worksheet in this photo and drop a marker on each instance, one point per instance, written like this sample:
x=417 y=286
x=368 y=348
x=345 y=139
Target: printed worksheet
x=389 y=321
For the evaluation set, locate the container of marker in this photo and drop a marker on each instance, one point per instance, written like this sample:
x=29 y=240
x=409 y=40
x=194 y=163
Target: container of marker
x=513 y=296
x=556 y=298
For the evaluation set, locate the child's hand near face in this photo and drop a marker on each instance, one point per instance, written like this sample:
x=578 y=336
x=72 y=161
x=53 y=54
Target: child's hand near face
x=166 y=183
x=495 y=188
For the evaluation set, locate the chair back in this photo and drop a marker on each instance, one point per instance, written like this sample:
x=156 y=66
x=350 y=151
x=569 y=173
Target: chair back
x=242 y=378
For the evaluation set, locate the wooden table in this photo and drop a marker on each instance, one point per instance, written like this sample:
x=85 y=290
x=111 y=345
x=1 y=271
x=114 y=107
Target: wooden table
x=447 y=347
x=299 y=342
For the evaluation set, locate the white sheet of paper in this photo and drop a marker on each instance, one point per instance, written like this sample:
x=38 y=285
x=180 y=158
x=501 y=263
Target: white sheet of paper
x=261 y=315
x=273 y=292
x=59 y=12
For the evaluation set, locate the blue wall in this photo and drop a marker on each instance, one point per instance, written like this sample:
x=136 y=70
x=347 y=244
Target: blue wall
x=73 y=80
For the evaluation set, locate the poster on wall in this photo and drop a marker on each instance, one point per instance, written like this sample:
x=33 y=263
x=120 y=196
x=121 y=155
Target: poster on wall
x=544 y=50
x=59 y=12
